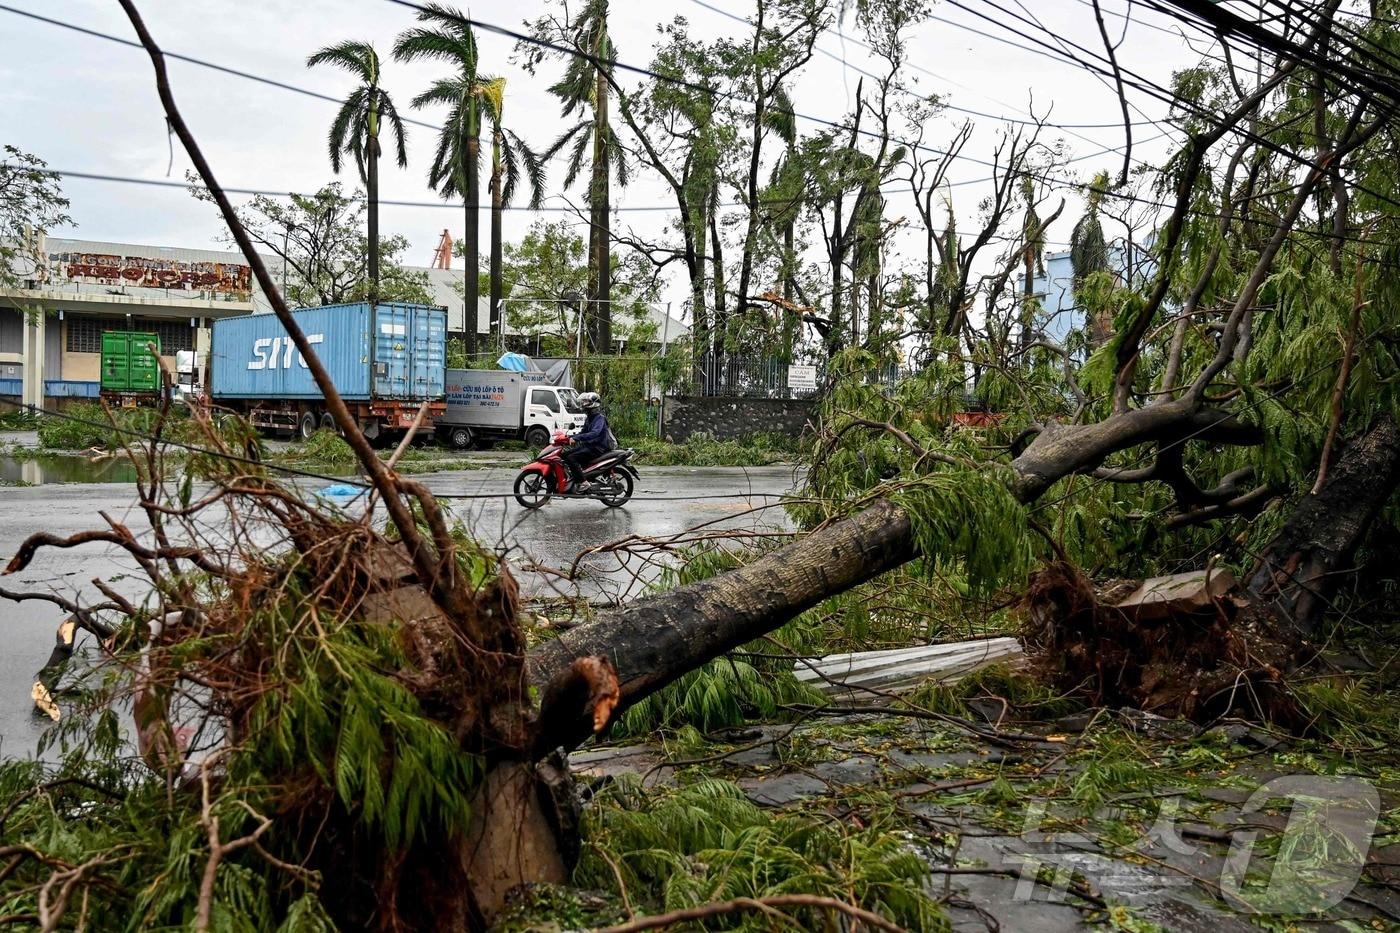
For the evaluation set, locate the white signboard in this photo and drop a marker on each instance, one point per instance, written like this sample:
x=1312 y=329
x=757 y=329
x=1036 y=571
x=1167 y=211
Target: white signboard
x=802 y=377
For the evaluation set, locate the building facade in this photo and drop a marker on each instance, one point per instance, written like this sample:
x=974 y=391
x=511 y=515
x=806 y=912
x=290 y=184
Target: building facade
x=70 y=292
x=73 y=291
x=1061 y=313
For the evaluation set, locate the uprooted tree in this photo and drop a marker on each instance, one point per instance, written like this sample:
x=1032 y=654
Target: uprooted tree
x=339 y=725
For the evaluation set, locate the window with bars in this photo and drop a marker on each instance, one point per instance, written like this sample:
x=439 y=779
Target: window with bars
x=84 y=333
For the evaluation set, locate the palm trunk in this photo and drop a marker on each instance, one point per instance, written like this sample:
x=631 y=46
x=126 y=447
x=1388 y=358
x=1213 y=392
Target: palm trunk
x=470 y=244
x=497 y=210
x=372 y=194
x=699 y=300
x=600 y=278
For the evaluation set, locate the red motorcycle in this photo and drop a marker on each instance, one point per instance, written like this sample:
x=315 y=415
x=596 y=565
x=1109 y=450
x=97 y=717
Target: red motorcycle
x=609 y=479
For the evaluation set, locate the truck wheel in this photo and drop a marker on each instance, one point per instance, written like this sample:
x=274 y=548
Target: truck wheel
x=307 y=427
x=328 y=423
x=460 y=438
x=537 y=437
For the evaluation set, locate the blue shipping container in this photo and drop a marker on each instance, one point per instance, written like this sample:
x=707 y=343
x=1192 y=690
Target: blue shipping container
x=252 y=357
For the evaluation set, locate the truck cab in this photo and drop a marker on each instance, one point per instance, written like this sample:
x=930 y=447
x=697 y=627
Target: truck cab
x=552 y=408
x=485 y=405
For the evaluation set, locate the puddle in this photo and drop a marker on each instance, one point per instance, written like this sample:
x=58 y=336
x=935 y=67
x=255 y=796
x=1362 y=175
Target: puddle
x=46 y=469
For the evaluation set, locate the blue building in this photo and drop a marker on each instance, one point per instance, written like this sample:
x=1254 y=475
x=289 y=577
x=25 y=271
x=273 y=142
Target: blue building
x=1061 y=314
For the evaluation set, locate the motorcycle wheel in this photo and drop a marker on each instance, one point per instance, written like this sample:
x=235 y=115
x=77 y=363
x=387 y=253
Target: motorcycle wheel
x=532 y=490
x=621 y=481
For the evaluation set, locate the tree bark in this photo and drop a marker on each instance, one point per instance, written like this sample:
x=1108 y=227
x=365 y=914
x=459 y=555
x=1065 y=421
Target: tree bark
x=471 y=245
x=600 y=333
x=656 y=640
x=1304 y=563
x=372 y=195
x=497 y=212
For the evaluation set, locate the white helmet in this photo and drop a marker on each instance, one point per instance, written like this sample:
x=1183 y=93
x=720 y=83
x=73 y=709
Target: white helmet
x=590 y=401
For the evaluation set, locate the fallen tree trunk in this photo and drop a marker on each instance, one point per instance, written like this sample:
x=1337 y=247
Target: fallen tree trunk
x=1301 y=568
x=653 y=641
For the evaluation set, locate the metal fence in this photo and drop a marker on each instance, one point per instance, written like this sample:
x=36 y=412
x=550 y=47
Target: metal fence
x=745 y=377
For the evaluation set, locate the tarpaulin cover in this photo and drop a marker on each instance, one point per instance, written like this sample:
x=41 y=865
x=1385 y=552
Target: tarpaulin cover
x=517 y=363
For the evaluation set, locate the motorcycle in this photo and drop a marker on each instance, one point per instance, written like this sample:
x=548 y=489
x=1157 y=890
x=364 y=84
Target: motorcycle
x=609 y=479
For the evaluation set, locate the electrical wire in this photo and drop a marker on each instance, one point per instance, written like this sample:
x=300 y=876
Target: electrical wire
x=191 y=60
x=892 y=187
x=914 y=66
x=1166 y=94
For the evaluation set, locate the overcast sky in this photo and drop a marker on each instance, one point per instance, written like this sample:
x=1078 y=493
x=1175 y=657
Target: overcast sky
x=88 y=105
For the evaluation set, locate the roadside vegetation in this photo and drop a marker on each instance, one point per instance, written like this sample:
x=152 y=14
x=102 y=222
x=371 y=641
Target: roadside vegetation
x=704 y=451
x=17 y=420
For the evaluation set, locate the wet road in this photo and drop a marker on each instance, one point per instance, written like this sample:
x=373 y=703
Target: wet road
x=668 y=502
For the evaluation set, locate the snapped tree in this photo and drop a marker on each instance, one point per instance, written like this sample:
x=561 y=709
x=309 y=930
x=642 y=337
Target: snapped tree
x=1282 y=367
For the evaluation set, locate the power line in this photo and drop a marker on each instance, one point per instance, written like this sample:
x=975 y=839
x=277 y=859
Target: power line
x=893 y=187
x=1058 y=126
x=202 y=63
x=916 y=67
x=1166 y=94
x=896 y=187
x=266 y=192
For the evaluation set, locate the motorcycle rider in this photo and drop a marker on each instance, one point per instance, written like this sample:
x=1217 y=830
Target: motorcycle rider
x=592 y=441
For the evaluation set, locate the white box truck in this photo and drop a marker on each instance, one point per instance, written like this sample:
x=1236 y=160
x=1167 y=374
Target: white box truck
x=485 y=405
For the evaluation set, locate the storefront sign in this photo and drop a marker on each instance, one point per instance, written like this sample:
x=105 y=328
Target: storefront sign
x=143 y=272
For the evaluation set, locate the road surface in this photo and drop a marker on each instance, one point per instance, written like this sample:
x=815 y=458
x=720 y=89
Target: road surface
x=668 y=502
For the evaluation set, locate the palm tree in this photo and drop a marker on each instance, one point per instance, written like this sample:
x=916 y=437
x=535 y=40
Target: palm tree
x=355 y=131
x=509 y=155
x=585 y=86
x=456 y=167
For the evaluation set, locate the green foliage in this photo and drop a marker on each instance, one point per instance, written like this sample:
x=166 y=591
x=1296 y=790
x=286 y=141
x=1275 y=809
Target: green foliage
x=88 y=424
x=324 y=732
x=326 y=446
x=703 y=450
x=1024 y=693
x=546 y=274
x=1112 y=765
x=357 y=124
x=31 y=201
x=1355 y=713
x=969 y=516
x=320 y=241
x=362 y=733
x=17 y=420
x=725 y=692
x=706 y=842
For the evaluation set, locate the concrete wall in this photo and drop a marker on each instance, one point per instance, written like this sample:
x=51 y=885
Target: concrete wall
x=734 y=418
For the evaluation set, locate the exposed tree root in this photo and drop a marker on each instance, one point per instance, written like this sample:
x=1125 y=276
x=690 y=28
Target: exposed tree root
x=1196 y=664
